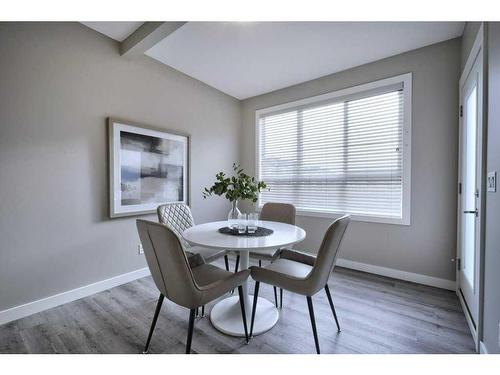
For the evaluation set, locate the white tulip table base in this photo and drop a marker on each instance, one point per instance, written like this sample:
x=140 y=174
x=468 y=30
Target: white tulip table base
x=226 y=316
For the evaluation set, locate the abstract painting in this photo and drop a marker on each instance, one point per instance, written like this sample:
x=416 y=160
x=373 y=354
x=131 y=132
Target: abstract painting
x=148 y=168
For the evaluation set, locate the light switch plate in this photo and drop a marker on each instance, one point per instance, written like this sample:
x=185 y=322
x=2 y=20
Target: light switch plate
x=140 y=249
x=492 y=182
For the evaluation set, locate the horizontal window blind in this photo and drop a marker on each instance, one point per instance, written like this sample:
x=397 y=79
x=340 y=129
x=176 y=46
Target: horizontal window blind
x=339 y=156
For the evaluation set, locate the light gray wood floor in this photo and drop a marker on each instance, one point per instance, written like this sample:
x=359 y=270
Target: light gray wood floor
x=377 y=315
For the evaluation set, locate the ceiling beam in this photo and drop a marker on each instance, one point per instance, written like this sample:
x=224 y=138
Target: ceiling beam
x=146 y=36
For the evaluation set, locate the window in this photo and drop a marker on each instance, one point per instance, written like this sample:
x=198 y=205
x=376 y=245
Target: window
x=343 y=152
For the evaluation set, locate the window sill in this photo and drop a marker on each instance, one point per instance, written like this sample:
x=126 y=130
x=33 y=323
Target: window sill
x=365 y=218
x=362 y=218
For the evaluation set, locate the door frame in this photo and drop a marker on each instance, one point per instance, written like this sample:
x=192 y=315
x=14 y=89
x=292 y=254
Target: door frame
x=477 y=48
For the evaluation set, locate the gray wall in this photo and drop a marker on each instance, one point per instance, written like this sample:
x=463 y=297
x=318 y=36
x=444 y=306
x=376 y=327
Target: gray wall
x=426 y=246
x=59 y=81
x=491 y=313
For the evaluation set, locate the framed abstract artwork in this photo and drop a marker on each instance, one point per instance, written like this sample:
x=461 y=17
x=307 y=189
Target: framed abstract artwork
x=148 y=167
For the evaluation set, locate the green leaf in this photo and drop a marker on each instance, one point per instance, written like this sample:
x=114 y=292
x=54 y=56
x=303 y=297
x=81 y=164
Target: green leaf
x=238 y=186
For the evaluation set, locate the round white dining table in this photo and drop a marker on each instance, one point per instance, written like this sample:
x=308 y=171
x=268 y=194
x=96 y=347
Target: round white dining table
x=226 y=314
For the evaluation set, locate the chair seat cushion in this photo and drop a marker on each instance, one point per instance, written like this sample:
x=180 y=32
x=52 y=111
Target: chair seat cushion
x=209 y=255
x=286 y=274
x=214 y=282
x=206 y=274
x=290 y=267
x=269 y=254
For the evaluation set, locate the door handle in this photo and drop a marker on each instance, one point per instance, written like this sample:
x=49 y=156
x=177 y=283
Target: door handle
x=471 y=212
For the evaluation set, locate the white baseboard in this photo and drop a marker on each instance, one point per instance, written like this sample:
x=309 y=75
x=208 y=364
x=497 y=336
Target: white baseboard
x=30 y=308
x=398 y=274
x=482 y=348
x=21 y=311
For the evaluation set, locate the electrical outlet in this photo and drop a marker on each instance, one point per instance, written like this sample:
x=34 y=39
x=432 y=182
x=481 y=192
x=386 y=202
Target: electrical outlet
x=141 y=250
x=492 y=182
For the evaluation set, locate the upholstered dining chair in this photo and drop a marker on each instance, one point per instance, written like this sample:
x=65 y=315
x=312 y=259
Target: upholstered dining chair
x=303 y=273
x=282 y=213
x=178 y=217
x=189 y=283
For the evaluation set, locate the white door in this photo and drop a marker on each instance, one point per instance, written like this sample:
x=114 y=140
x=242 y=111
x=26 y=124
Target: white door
x=470 y=180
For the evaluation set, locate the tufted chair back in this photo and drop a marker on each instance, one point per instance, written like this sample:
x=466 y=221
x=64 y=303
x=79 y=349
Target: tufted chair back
x=177 y=217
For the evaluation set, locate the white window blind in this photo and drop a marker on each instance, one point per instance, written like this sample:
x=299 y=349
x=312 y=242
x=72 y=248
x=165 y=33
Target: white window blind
x=342 y=155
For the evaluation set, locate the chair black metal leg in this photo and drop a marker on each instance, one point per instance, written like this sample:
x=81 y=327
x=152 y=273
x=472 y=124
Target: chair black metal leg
x=313 y=322
x=226 y=261
x=236 y=268
x=281 y=298
x=255 y=297
x=327 y=290
x=243 y=312
x=190 y=331
x=260 y=263
x=202 y=311
x=237 y=263
x=153 y=324
x=275 y=297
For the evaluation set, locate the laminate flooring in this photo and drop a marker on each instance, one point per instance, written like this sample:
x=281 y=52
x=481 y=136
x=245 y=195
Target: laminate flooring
x=377 y=315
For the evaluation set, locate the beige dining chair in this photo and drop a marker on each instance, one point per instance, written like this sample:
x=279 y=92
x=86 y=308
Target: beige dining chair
x=303 y=273
x=178 y=217
x=282 y=213
x=189 y=283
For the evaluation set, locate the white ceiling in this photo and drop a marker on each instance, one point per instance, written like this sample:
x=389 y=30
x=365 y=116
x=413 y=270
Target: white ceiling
x=245 y=59
x=117 y=30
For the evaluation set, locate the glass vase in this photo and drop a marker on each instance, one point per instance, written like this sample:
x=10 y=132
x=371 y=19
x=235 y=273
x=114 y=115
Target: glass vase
x=232 y=217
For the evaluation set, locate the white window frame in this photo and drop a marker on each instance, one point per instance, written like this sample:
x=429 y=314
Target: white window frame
x=406 y=80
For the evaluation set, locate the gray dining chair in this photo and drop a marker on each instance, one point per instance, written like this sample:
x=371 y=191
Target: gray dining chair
x=282 y=213
x=178 y=217
x=304 y=274
x=189 y=283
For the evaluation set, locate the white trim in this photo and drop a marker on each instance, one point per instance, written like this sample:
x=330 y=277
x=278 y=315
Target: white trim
x=335 y=215
x=30 y=308
x=482 y=348
x=477 y=51
x=398 y=274
x=468 y=318
x=476 y=47
x=406 y=80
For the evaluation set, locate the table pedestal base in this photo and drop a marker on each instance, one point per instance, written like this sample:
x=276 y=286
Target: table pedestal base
x=226 y=316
